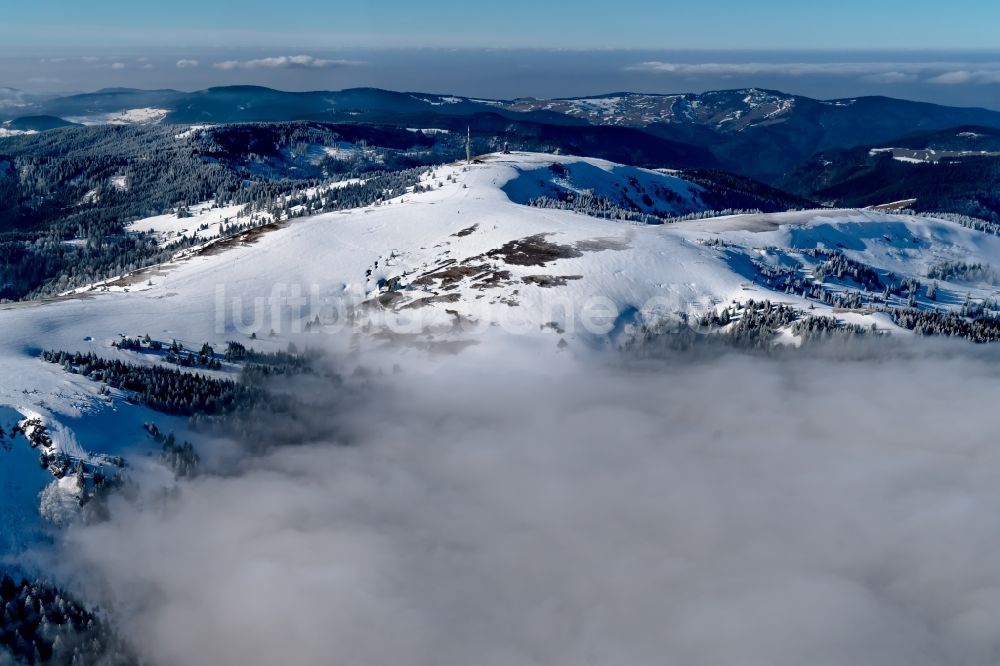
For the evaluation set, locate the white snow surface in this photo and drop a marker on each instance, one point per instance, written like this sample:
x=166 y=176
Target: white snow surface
x=191 y=132
x=143 y=116
x=7 y=132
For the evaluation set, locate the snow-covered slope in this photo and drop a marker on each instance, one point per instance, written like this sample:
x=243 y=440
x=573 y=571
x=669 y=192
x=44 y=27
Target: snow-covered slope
x=572 y=180
x=203 y=220
x=143 y=116
x=455 y=266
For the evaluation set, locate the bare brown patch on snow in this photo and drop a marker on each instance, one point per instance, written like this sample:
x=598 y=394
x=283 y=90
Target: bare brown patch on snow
x=548 y=281
x=533 y=251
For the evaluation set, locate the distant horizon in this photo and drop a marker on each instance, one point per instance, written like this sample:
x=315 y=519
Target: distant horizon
x=594 y=95
x=952 y=78
x=937 y=78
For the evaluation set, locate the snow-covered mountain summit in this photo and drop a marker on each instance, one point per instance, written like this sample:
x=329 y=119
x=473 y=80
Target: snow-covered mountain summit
x=549 y=251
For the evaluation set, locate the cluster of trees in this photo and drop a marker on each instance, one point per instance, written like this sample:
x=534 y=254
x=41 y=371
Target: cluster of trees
x=236 y=352
x=789 y=279
x=204 y=358
x=181 y=458
x=258 y=367
x=41 y=624
x=175 y=352
x=762 y=316
x=986 y=226
x=752 y=324
x=949 y=324
x=131 y=344
x=34 y=431
x=164 y=389
x=815 y=328
x=876 y=287
x=839 y=266
x=986 y=308
x=173 y=391
x=37 y=434
x=595 y=205
x=603 y=208
x=93 y=477
x=960 y=271
x=373 y=190
x=847 y=300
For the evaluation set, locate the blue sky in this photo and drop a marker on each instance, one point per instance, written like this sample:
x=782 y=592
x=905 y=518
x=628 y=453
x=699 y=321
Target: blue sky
x=650 y=24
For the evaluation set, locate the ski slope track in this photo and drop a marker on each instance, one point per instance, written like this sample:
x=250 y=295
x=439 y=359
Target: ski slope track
x=461 y=266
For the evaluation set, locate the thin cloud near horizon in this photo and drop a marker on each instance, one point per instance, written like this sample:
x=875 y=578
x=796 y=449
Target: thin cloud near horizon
x=286 y=62
x=939 y=73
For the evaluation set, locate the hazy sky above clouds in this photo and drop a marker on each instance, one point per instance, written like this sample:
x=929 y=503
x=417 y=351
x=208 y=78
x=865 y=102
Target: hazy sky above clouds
x=931 y=51
x=588 y=24
x=954 y=78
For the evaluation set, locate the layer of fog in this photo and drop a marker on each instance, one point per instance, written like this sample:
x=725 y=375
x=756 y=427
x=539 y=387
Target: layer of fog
x=733 y=510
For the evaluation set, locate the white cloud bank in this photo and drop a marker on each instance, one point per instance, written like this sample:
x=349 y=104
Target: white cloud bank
x=965 y=76
x=730 y=511
x=285 y=62
x=875 y=72
x=187 y=64
x=11 y=97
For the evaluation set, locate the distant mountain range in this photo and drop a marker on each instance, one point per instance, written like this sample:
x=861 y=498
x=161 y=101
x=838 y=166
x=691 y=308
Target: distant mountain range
x=758 y=133
x=776 y=129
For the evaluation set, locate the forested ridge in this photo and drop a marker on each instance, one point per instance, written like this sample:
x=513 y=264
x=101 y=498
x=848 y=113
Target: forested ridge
x=66 y=195
x=858 y=178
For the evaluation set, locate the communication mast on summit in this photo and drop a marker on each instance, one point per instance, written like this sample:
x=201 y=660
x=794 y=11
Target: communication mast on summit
x=468 y=146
